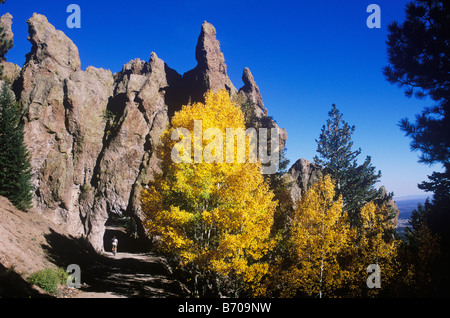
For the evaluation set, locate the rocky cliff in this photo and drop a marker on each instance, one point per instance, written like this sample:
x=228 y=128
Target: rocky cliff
x=92 y=134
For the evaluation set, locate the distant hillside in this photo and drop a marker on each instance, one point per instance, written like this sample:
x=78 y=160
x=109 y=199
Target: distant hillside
x=406 y=205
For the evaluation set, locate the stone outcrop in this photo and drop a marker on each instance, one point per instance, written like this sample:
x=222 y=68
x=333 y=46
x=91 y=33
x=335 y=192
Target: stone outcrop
x=10 y=70
x=211 y=70
x=127 y=160
x=64 y=124
x=251 y=92
x=302 y=175
x=6 y=23
x=392 y=204
x=92 y=134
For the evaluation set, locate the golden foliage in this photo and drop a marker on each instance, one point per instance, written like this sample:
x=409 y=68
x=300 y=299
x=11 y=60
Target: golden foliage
x=319 y=232
x=324 y=256
x=216 y=216
x=374 y=243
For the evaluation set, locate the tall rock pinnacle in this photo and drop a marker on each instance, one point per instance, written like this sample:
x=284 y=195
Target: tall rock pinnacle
x=47 y=42
x=207 y=53
x=10 y=70
x=211 y=70
x=251 y=91
x=5 y=23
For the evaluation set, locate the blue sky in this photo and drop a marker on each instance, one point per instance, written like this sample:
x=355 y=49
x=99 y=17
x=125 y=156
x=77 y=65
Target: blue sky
x=304 y=56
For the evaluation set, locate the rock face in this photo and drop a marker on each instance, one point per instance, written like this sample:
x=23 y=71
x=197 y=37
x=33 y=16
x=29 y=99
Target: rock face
x=211 y=70
x=251 y=92
x=92 y=134
x=64 y=124
x=10 y=70
x=126 y=162
x=6 y=23
x=302 y=175
x=393 y=205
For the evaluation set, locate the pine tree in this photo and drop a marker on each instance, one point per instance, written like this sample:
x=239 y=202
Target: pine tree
x=418 y=55
x=419 y=62
x=15 y=168
x=354 y=182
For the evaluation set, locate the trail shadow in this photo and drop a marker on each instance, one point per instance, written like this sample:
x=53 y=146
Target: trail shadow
x=133 y=277
x=127 y=274
x=12 y=285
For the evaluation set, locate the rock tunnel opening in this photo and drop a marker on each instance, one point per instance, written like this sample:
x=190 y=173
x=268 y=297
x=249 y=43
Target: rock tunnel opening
x=124 y=229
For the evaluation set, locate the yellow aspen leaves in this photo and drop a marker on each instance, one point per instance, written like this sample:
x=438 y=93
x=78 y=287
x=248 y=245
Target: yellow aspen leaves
x=375 y=244
x=216 y=216
x=324 y=256
x=319 y=232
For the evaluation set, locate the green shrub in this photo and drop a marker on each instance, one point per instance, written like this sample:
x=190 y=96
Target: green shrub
x=48 y=279
x=108 y=116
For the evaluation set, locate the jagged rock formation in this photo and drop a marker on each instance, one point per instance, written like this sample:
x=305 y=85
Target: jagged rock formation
x=92 y=134
x=211 y=70
x=64 y=126
x=392 y=204
x=251 y=92
x=303 y=174
x=6 y=23
x=10 y=70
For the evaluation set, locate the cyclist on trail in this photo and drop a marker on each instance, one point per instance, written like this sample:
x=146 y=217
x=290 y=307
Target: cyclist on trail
x=115 y=242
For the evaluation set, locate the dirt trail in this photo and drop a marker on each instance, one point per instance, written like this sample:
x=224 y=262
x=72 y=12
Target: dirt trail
x=130 y=275
x=29 y=243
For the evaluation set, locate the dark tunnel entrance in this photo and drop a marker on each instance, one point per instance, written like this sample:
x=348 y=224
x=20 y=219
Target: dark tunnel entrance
x=124 y=229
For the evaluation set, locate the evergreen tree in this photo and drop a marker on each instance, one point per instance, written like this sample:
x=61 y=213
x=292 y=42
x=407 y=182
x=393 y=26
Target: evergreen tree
x=418 y=55
x=15 y=168
x=419 y=62
x=353 y=181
